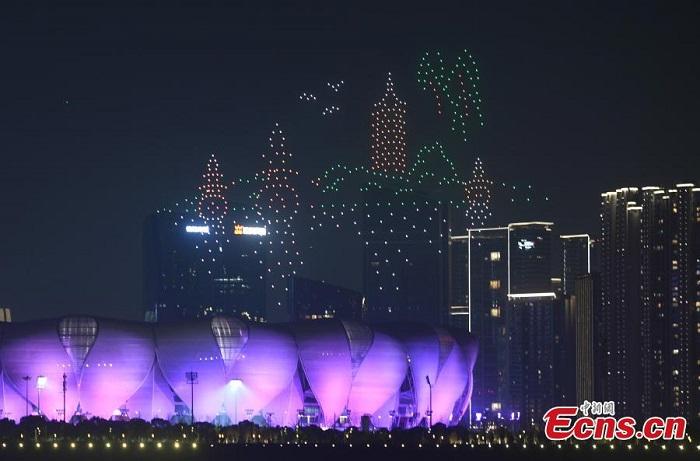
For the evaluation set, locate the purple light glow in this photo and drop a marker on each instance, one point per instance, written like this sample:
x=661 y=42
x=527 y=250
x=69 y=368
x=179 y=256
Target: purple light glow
x=141 y=369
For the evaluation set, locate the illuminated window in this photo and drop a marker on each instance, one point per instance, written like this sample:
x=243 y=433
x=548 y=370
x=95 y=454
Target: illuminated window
x=495 y=312
x=495 y=256
x=495 y=406
x=495 y=284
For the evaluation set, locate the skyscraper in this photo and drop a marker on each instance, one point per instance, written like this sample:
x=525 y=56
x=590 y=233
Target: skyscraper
x=479 y=281
x=649 y=280
x=205 y=257
x=530 y=317
x=509 y=304
x=187 y=275
x=575 y=259
x=587 y=350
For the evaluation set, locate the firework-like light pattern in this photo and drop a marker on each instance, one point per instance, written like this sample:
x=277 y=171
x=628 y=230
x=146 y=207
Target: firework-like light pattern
x=278 y=203
x=456 y=86
x=478 y=196
x=389 y=133
x=212 y=205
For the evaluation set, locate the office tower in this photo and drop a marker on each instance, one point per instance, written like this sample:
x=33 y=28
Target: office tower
x=587 y=350
x=313 y=299
x=575 y=258
x=509 y=300
x=479 y=280
x=530 y=317
x=188 y=275
x=405 y=256
x=204 y=257
x=649 y=276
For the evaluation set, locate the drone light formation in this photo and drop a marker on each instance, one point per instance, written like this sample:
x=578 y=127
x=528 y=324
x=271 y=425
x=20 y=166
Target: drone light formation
x=478 y=192
x=455 y=86
x=278 y=202
x=389 y=133
x=212 y=206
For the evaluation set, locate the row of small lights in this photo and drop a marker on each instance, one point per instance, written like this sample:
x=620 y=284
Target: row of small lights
x=178 y=445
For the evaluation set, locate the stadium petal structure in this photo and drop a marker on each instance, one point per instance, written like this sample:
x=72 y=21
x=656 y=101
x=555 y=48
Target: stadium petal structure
x=329 y=372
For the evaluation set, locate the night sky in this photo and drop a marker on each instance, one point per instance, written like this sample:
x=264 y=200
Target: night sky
x=110 y=112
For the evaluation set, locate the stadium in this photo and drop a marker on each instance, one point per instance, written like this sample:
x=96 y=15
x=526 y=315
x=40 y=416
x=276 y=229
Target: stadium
x=224 y=370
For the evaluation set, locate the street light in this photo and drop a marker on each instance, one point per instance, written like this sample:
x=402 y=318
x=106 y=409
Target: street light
x=64 y=397
x=430 y=407
x=40 y=384
x=235 y=384
x=26 y=394
x=192 y=379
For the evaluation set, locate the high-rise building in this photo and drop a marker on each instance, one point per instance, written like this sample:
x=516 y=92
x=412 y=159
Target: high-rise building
x=649 y=280
x=587 y=350
x=188 y=274
x=620 y=309
x=506 y=273
x=205 y=257
x=530 y=317
x=575 y=259
x=479 y=281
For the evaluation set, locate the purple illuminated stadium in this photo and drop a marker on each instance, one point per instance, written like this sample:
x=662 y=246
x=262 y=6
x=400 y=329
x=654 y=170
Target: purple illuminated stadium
x=324 y=372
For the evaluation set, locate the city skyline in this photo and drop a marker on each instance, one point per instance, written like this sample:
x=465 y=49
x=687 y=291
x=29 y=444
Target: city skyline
x=112 y=116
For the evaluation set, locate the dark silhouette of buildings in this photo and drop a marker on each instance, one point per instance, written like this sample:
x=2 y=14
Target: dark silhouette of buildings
x=405 y=256
x=313 y=299
x=188 y=274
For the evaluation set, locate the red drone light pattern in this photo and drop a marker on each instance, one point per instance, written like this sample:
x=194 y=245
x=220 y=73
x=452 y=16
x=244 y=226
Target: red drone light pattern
x=212 y=206
x=478 y=192
x=389 y=133
x=277 y=201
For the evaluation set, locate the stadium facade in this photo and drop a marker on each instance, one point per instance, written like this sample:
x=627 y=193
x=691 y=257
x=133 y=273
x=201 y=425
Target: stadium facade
x=324 y=372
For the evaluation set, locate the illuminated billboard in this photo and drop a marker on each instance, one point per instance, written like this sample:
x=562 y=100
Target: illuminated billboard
x=197 y=229
x=239 y=229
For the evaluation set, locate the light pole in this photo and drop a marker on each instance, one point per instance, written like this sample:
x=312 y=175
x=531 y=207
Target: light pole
x=64 y=397
x=26 y=394
x=235 y=384
x=430 y=407
x=40 y=384
x=192 y=379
